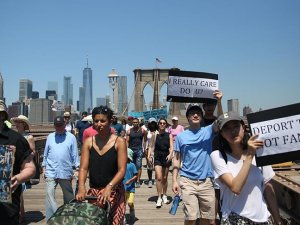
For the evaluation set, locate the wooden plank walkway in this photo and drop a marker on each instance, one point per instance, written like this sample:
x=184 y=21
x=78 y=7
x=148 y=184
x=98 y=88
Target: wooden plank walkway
x=145 y=200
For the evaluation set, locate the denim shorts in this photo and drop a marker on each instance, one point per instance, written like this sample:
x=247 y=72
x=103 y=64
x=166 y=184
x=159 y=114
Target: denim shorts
x=137 y=158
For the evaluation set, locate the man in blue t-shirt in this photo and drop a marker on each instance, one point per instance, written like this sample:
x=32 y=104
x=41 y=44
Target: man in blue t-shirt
x=119 y=130
x=192 y=155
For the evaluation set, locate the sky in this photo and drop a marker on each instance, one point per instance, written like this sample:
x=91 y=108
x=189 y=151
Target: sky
x=254 y=46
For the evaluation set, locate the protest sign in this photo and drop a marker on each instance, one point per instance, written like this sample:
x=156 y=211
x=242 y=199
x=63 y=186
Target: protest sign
x=188 y=86
x=279 y=128
x=6 y=171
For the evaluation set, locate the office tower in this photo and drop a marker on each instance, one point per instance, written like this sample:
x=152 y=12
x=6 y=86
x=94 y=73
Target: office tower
x=35 y=94
x=233 y=105
x=16 y=109
x=68 y=91
x=246 y=110
x=40 y=111
x=88 y=87
x=51 y=95
x=1 y=87
x=122 y=95
x=53 y=85
x=25 y=90
x=81 y=107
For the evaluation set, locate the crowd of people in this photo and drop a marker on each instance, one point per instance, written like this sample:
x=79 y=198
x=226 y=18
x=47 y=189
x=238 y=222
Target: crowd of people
x=212 y=159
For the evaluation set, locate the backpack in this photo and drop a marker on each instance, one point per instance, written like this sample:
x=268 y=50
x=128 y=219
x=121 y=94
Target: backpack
x=77 y=212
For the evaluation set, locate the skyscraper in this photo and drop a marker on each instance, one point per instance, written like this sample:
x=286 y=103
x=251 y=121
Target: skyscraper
x=68 y=91
x=53 y=85
x=81 y=107
x=88 y=87
x=122 y=95
x=233 y=105
x=1 y=87
x=25 y=89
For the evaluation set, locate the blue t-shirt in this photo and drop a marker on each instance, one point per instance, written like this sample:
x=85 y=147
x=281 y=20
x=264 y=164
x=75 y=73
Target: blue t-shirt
x=195 y=147
x=131 y=171
x=118 y=128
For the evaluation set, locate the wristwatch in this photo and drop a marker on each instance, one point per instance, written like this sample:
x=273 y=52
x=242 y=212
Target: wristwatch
x=110 y=184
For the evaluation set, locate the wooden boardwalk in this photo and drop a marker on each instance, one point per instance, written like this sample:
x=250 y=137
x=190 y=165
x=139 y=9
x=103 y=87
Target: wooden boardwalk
x=145 y=210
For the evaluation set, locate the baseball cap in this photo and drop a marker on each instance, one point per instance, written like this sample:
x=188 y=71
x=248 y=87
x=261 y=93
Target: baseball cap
x=58 y=121
x=175 y=118
x=227 y=117
x=194 y=106
x=67 y=114
x=152 y=119
x=130 y=118
x=3 y=108
x=129 y=154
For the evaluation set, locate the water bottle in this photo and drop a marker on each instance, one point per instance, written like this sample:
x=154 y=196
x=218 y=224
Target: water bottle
x=174 y=205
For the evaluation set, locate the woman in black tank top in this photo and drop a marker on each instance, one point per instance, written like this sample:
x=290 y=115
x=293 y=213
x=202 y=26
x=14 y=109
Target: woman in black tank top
x=162 y=145
x=104 y=156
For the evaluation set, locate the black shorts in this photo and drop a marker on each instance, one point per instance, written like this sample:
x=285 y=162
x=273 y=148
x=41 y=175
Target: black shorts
x=160 y=159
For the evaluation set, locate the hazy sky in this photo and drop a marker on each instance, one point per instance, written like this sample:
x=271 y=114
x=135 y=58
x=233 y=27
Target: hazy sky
x=254 y=46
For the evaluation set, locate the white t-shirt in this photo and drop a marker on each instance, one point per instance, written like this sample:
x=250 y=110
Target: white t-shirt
x=250 y=202
x=128 y=127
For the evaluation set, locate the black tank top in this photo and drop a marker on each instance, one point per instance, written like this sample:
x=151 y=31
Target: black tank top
x=162 y=143
x=102 y=168
x=136 y=139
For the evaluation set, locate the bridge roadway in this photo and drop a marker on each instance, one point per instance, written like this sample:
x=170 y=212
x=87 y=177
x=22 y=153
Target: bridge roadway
x=145 y=210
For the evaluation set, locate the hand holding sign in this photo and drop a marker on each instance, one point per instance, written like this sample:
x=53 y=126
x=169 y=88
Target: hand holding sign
x=254 y=144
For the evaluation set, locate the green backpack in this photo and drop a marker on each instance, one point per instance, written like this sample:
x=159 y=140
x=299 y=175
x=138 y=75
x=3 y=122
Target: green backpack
x=79 y=213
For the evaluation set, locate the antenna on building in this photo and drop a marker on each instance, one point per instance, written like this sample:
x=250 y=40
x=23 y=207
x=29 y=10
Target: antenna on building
x=87 y=61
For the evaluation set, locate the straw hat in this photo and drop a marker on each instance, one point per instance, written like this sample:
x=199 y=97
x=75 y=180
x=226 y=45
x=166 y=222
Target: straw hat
x=22 y=118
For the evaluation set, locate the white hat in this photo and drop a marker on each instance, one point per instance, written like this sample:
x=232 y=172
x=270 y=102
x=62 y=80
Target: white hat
x=22 y=118
x=67 y=114
x=88 y=118
x=152 y=119
x=175 y=118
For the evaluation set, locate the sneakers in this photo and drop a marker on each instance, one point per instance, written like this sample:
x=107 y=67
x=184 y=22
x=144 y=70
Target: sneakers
x=165 y=199
x=150 y=183
x=137 y=185
x=132 y=216
x=159 y=203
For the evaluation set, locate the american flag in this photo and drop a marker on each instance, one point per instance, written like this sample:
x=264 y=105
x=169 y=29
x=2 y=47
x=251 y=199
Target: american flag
x=158 y=60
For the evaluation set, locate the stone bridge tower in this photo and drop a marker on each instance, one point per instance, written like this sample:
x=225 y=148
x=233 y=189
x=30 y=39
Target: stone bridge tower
x=156 y=78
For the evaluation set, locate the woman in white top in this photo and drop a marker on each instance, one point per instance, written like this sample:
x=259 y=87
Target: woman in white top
x=152 y=129
x=22 y=125
x=245 y=188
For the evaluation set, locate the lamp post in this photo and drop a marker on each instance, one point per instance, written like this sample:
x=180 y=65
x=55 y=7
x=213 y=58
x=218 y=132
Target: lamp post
x=113 y=81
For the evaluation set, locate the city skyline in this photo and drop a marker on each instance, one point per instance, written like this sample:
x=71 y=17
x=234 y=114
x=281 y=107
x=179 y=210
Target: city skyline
x=253 y=46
